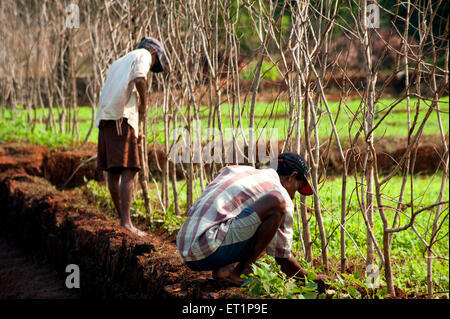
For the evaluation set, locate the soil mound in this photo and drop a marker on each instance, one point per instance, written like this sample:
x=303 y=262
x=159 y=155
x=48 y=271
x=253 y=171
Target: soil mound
x=72 y=166
x=65 y=229
x=22 y=158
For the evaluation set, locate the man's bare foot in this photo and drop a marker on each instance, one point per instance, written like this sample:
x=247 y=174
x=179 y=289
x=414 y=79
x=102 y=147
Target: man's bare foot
x=223 y=272
x=139 y=232
x=134 y=230
x=235 y=277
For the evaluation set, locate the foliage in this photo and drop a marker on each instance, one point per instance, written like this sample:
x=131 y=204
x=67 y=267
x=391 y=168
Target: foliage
x=249 y=40
x=407 y=250
x=18 y=130
x=347 y=286
x=99 y=194
x=267 y=280
x=268 y=71
x=394 y=125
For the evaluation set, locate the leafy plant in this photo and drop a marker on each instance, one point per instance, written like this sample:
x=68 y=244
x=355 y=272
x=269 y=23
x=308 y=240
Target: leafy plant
x=267 y=280
x=99 y=195
x=346 y=286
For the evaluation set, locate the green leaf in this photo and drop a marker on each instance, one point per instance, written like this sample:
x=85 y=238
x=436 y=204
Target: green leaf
x=256 y=291
x=296 y=290
x=381 y=293
x=311 y=275
x=246 y=282
x=357 y=274
x=353 y=292
x=310 y=295
x=342 y=281
x=311 y=285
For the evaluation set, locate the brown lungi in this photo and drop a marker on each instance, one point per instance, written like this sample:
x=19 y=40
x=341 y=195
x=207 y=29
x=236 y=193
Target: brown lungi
x=117 y=152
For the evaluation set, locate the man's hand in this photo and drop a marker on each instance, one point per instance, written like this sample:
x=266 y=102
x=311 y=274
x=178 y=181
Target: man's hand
x=141 y=137
x=141 y=108
x=292 y=267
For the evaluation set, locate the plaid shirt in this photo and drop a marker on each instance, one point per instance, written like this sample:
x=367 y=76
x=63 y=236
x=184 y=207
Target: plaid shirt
x=234 y=189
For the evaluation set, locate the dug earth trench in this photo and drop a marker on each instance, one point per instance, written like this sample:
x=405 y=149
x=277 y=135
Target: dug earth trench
x=24 y=276
x=63 y=228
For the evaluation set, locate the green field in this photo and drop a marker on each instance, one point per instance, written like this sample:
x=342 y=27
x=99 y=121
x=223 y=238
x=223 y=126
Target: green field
x=394 y=125
x=407 y=249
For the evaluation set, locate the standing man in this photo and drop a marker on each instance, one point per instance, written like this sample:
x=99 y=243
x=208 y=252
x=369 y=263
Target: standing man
x=118 y=117
x=241 y=213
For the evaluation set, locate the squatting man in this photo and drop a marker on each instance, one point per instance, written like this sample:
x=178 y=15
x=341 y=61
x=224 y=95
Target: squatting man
x=241 y=213
x=118 y=116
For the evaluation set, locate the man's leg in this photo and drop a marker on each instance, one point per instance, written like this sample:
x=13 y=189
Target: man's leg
x=126 y=196
x=271 y=209
x=114 y=190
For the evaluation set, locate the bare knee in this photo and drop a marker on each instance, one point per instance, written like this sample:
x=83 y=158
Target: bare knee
x=113 y=182
x=128 y=176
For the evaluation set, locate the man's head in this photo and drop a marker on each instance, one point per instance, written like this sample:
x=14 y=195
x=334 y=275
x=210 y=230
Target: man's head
x=293 y=170
x=157 y=51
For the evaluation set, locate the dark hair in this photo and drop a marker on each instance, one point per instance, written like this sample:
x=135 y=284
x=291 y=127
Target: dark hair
x=285 y=170
x=157 y=67
x=292 y=162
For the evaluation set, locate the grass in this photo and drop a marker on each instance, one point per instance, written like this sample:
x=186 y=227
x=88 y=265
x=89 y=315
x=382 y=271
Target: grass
x=409 y=265
x=19 y=131
x=394 y=125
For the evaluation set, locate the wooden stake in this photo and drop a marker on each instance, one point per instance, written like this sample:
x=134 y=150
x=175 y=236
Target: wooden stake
x=143 y=173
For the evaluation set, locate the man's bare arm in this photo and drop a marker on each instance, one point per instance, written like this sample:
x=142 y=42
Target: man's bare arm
x=141 y=87
x=291 y=267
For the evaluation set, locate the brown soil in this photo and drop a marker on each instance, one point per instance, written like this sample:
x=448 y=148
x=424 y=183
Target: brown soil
x=65 y=228
x=22 y=158
x=389 y=152
x=25 y=277
x=60 y=164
